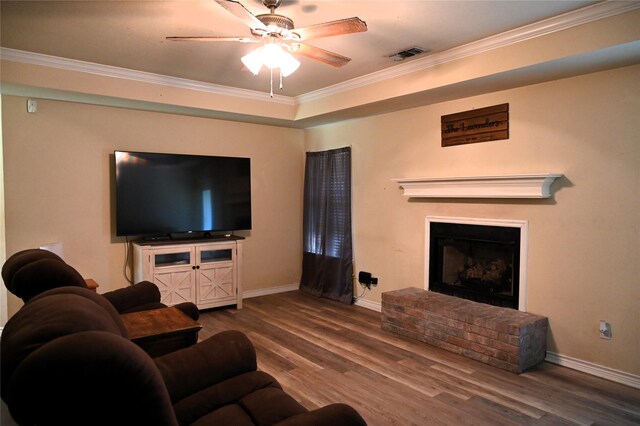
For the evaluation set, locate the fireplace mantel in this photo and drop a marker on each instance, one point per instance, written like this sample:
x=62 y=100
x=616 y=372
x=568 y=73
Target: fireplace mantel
x=503 y=186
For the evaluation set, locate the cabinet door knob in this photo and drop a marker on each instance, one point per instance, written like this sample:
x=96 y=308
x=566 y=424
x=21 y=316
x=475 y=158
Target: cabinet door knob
x=193 y=267
x=198 y=267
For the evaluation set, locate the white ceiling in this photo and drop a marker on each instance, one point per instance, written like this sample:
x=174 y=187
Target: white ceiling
x=131 y=34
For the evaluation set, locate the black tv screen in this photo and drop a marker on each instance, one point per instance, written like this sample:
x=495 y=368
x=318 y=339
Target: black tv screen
x=162 y=194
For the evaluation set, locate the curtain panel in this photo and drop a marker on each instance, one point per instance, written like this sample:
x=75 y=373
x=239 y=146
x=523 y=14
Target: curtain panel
x=327 y=262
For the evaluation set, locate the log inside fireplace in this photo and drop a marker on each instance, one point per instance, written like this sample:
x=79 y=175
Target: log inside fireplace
x=475 y=262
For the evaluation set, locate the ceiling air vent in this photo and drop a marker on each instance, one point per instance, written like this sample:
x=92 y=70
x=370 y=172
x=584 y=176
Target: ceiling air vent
x=407 y=53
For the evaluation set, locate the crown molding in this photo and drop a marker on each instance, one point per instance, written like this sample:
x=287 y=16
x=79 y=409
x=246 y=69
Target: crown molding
x=538 y=29
x=134 y=75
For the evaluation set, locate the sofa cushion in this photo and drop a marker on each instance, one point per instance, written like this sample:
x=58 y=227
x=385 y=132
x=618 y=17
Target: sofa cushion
x=228 y=415
x=329 y=415
x=270 y=405
x=224 y=355
x=93 y=297
x=219 y=395
x=21 y=258
x=47 y=318
x=41 y=275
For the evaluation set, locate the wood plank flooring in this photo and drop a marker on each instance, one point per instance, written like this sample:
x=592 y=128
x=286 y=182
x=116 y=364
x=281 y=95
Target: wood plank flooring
x=324 y=352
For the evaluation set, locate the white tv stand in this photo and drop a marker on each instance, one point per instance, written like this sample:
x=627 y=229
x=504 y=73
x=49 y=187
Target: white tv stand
x=207 y=272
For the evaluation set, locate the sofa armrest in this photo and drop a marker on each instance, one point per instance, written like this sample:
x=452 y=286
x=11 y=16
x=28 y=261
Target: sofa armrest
x=218 y=358
x=190 y=309
x=331 y=415
x=129 y=298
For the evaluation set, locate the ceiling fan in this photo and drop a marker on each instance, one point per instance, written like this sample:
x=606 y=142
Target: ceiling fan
x=280 y=38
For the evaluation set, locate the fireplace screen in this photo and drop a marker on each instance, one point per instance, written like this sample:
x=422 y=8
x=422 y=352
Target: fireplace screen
x=475 y=262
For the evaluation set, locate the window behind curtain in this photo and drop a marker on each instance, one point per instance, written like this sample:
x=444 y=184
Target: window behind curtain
x=327 y=265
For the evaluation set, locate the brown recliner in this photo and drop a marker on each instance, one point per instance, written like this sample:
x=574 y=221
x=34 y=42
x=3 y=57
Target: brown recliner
x=66 y=360
x=30 y=272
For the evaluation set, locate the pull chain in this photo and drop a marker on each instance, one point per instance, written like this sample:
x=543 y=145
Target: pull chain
x=271 y=91
x=271 y=87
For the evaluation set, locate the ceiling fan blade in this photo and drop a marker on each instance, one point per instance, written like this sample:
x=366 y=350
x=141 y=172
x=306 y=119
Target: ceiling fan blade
x=212 y=38
x=321 y=55
x=241 y=12
x=333 y=28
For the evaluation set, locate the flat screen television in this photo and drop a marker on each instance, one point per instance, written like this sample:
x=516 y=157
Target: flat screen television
x=163 y=194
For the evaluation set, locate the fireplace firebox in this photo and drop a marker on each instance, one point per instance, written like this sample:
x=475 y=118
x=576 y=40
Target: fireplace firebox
x=475 y=262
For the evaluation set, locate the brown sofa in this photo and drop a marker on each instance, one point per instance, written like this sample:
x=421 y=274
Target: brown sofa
x=66 y=360
x=29 y=272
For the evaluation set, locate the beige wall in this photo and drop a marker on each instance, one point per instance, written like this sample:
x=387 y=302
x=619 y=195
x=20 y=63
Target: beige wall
x=584 y=247
x=3 y=251
x=584 y=242
x=57 y=183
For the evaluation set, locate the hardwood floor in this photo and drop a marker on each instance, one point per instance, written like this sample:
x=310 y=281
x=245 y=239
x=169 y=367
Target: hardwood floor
x=323 y=352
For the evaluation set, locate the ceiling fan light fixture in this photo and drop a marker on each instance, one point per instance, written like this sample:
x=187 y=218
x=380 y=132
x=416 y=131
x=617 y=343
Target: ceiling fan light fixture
x=253 y=60
x=271 y=55
x=280 y=38
x=275 y=56
x=289 y=65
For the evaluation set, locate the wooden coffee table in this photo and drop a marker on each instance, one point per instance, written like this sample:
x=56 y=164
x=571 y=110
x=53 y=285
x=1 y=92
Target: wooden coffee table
x=160 y=331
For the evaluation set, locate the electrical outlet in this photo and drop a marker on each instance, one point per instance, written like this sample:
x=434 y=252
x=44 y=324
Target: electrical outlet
x=605 y=330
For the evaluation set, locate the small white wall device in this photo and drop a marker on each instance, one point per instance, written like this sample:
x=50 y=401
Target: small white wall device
x=32 y=105
x=605 y=330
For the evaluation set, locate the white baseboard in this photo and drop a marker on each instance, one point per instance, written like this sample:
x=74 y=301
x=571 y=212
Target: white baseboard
x=594 y=369
x=374 y=306
x=271 y=290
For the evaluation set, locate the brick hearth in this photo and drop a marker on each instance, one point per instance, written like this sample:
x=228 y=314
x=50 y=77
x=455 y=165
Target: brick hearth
x=501 y=337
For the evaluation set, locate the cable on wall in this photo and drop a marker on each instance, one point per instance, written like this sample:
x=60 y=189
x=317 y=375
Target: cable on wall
x=126 y=261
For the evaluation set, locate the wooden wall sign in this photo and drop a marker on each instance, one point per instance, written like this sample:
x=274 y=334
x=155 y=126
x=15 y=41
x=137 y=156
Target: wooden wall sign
x=477 y=125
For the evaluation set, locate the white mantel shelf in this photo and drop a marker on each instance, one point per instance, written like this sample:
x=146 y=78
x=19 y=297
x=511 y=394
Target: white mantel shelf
x=505 y=186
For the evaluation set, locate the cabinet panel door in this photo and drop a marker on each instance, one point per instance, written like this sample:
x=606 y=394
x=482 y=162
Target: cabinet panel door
x=216 y=284
x=176 y=286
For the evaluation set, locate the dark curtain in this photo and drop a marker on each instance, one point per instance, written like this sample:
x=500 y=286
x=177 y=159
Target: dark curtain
x=327 y=263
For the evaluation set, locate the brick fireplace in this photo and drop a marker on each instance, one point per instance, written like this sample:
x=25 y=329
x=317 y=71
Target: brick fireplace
x=505 y=338
x=482 y=260
x=474 y=301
